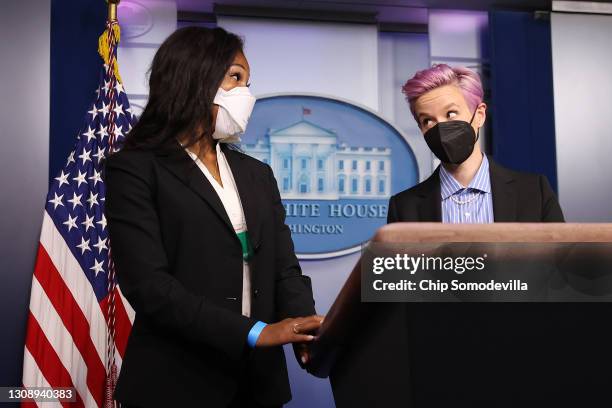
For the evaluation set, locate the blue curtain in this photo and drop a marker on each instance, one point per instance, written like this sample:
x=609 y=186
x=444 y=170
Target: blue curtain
x=75 y=68
x=523 y=123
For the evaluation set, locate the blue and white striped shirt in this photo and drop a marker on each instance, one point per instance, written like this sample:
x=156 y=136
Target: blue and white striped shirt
x=471 y=205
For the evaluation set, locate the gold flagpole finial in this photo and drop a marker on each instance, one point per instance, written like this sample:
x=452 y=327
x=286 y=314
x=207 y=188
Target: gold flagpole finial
x=110 y=38
x=112 y=9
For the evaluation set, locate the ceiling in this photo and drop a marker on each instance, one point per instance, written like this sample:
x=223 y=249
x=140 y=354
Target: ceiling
x=401 y=11
x=366 y=5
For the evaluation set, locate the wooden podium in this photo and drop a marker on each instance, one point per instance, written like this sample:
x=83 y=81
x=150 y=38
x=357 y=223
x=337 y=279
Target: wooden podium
x=489 y=354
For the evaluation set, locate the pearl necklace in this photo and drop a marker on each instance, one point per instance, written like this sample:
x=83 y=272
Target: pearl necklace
x=456 y=200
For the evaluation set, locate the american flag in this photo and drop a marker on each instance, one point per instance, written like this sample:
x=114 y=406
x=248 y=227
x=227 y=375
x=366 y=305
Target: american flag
x=79 y=321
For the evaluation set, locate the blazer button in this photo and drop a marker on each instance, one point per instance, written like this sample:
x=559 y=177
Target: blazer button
x=255 y=293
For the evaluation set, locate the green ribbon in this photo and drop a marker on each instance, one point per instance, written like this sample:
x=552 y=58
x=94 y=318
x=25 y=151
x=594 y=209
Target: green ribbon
x=245 y=243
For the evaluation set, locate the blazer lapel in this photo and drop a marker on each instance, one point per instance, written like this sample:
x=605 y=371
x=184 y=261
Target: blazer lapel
x=504 y=195
x=249 y=196
x=178 y=162
x=430 y=206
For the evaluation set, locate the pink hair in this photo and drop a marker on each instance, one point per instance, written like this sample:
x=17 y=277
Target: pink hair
x=439 y=75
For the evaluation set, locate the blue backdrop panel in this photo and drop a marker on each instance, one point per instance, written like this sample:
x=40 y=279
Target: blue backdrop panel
x=522 y=93
x=75 y=69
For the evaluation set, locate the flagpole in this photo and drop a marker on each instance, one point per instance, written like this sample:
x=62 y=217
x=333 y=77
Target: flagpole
x=112 y=9
x=107 y=48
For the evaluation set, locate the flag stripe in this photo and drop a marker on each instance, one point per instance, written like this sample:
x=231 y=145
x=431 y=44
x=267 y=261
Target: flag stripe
x=118 y=358
x=122 y=324
x=48 y=361
x=60 y=256
x=127 y=307
x=34 y=376
x=73 y=319
x=62 y=341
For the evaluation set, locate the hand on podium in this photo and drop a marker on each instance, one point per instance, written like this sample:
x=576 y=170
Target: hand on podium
x=298 y=330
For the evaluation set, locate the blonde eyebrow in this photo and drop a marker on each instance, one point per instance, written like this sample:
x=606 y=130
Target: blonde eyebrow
x=446 y=107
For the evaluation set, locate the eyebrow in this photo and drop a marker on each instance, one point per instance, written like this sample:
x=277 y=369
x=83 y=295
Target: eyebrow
x=239 y=65
x=446 y=107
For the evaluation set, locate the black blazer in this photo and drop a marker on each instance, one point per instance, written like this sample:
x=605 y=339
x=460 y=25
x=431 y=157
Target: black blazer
x=179 y=264
x=517 y=197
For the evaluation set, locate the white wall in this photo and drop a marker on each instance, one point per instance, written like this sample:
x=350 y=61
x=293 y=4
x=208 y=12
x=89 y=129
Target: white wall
x=334 y=59
x=458 y=35
x=582 y=74
x=144 y=26
x=24 y=163
x=400 y=56
x=24 y=126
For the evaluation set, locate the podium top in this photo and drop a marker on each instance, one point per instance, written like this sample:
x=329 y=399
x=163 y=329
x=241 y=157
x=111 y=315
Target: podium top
x=428 y=232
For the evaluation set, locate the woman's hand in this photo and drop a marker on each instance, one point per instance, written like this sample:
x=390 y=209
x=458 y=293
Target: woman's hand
x=289 y=331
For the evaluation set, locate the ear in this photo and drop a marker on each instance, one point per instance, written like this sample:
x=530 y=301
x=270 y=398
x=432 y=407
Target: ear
x=481 y=114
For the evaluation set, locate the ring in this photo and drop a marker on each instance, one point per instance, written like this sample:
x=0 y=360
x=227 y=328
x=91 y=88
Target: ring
x=295 y=328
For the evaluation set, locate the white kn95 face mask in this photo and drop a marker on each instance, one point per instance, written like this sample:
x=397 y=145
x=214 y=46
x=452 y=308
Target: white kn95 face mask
x=235 y=107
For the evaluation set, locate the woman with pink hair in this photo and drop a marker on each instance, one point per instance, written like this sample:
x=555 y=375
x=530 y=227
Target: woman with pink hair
x=468 y=186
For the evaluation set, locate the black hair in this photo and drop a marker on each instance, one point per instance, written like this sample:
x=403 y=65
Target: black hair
x=184 y=77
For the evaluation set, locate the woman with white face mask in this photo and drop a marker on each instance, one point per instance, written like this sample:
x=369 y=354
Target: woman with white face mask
x=199 y=242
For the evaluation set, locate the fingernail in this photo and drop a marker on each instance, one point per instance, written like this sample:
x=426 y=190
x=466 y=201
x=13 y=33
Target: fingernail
x=310 y=337
x=303 y=360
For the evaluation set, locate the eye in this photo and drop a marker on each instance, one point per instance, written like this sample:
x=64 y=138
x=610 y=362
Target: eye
x=451 y=114
x=426 y=122
x=236 y=76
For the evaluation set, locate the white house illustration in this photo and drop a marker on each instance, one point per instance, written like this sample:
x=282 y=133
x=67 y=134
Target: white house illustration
x=309 y=163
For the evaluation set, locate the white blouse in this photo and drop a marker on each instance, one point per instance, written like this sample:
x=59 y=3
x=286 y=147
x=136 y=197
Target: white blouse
x=228 y=194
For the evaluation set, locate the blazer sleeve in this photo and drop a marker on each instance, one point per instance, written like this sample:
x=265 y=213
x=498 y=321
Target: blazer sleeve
x=293 y=289
x=392 y=211
x=551 y=210
x=142 y=267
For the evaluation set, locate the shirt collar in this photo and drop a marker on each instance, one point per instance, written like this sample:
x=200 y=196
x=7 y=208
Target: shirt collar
x=194 y=156
x=480 y=182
